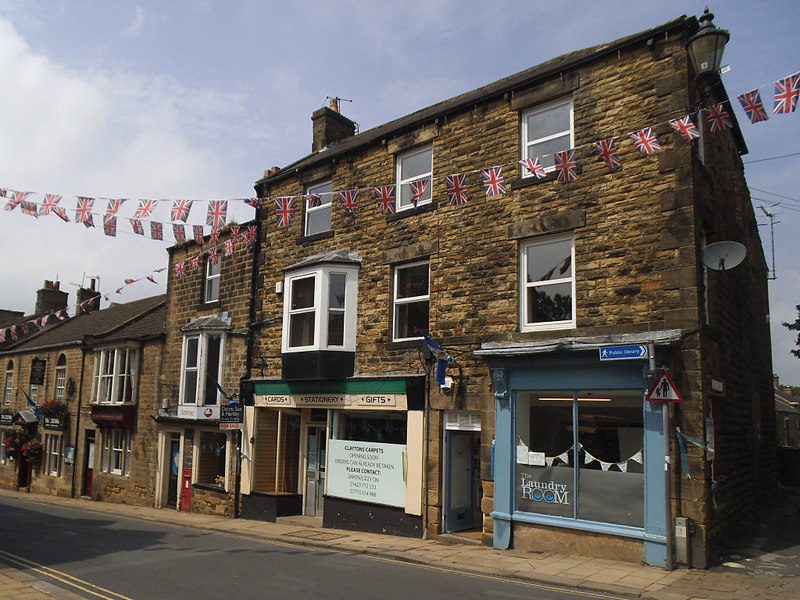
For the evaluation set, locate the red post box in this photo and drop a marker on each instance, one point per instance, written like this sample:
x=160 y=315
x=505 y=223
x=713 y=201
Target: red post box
x=186 y=491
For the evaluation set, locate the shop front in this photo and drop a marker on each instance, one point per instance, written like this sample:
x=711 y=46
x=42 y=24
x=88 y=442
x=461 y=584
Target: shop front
x=579 y=454
x=327 y=448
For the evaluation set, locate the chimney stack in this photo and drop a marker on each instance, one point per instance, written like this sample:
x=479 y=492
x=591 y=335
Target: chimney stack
x=84 y=297
x=330 y=126
x=50 y=299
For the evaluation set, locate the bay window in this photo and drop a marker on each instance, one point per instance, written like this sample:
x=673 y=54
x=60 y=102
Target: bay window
x=202 y=367
x=115 y=376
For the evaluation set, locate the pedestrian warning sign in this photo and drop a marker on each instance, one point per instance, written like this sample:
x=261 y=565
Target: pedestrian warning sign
x=664 y=390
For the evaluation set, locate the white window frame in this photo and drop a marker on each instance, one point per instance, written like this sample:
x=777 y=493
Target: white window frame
x=321 y=307
x=212 y=279
x=61 y=376
x=200 y=369
x=525 y=285
x=325 y=191
x=53 y=451
x=116 y=452
x=114 y=367
x=33 y=392
x=8 y=390
x=398 y=302
x=404 y=179
x=528 y=145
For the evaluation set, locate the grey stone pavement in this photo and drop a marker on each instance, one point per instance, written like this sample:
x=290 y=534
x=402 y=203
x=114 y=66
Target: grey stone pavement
x=764 y=566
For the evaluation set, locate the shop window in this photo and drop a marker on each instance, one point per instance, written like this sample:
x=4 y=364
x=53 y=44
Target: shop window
x=580 y=455
x=320 y=312
x=8 y=388
x=3 y=452
x=203 y=359
x=212 y=279
x=211 y=458
x=61 y=376
x=115 y=376
x=277 y=452
x=363 y=426
x=53 y=449
x=414 y=167
x=115 y=456
x=548 y=283
x=318 y=212
x=546 y=130
x=411 y=300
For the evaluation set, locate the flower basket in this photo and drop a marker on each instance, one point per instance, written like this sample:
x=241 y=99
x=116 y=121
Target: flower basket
x=54 y=408
x=32 y=450
x=14 y=441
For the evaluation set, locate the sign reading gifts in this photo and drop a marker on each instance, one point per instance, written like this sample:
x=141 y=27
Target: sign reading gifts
x=367 y=471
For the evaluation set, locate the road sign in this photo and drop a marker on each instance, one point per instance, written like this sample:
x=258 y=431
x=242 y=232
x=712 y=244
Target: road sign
x=623 y=352
x=231 y=416
x=664 y=390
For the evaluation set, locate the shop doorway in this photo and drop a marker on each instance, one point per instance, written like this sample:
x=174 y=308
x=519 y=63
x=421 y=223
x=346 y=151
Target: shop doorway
x=174 y=462
x=315 y=471
x=88 y=466
x=462 y=472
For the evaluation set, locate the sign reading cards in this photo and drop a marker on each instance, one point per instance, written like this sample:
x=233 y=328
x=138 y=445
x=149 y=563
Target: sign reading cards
x=367 y=471
x=231 y=416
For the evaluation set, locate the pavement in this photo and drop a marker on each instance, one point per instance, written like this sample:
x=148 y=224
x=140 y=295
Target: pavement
x=763 y=566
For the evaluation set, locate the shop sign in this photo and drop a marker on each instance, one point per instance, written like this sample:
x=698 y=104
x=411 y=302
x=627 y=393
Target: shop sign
x=37 y=371
x=189 y=411
x=370 y=401
x=7 y=418
x=623 y=352
x=53 y=423
x=544 y=491
x=373 y=400
x=231 y=416
x=367 y=471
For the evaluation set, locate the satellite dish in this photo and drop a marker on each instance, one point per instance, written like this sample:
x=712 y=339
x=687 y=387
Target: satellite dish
x=721 y=256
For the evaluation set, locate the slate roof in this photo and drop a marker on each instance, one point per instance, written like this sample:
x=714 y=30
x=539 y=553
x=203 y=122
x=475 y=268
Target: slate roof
x=132 y=320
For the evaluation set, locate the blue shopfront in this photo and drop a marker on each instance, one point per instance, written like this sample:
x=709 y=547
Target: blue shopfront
x=579 y=453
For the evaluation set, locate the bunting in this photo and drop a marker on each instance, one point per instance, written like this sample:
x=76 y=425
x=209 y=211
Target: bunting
x=534 y=167
x=113 y=207
x=313 y=200
x=608 y=152
x=753 y=106
x=145 y=208
x=156 y=231
x=566 y=167
x=110 y=225
x=645 y=141
x=284 y=210
x=199 y=235
x=384 y=196
x=456 y=189
x=217 y=214
x=685 y=127
x=493 y=181
x=348 y=198
x=229 y=247
x=718 y=118
x=180 y=269
x=179 y=232
x=83 y=210
x=50 y=203
x=180 y=210
x=417 y=190
x=137 y=227
x=787 y=91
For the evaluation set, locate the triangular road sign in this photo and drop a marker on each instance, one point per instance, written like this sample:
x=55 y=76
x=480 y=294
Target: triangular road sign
x=664 y=390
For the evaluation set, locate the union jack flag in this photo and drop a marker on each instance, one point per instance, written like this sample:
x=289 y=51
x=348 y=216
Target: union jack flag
x=151 y=279
x=180 y=210
x=50 y=203
x=608 y=152
x=418 y=189
x=136 y=225
x=566 y=167
x=145 y=208
x=213 y=237
x=384 y=196
x=110 y=225
x=88 y=221
x=180 y=269
x=16 y=198
x=113 y=206
x=197 y=231
x=348 y=199
x=284 y=210
x=217 y=212
x=787 y=91
x=229 y=247
x=3 y=192
x=313 y=200
x=106 y=298
x=250 y=235
x=234 y=231
x=2 y=335
x=718 y=118
x=686 y=127
x=83 y=210
x=213 y=257
x=61 y=213
x=753 y=106
x=13 y=331
x=254 y=202
x=43 y=321
x=493 y=181
x=195 y=261
x=130 y=281
x=179 y=232
x=156 y=231
x=29 y=208
x=645 y=141
x=534 y=167
x=61 y=315
x=456 y=189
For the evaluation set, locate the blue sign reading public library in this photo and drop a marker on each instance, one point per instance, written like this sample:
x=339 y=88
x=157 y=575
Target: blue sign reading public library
x=623 y=352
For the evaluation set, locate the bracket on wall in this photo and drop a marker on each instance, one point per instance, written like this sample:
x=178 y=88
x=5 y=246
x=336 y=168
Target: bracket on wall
x=500 y=386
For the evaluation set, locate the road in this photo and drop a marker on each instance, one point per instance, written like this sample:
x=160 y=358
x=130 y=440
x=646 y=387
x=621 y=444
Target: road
x=97 y=556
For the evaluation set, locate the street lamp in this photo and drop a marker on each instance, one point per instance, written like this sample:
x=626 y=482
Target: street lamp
x=705 y=50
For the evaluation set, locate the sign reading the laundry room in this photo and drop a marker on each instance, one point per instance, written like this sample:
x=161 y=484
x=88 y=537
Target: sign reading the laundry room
x=367 y=471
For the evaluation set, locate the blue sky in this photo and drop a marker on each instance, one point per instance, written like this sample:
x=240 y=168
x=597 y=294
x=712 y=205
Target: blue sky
x=195 y=99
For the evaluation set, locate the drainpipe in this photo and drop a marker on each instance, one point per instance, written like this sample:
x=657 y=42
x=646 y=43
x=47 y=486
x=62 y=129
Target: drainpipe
x=78 y=420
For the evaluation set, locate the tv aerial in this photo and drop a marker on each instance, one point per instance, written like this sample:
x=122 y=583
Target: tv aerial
x=721 y=256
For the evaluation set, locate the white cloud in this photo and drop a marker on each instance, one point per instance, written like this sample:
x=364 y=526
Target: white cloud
x=138 y=21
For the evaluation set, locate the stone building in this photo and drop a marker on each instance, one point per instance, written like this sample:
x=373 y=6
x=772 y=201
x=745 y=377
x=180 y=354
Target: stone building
x=207 y=316
x=97 y=370
x=563 y=300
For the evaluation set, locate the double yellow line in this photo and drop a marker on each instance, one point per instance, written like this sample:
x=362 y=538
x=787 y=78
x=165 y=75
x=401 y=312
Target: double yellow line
x=64 y=578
